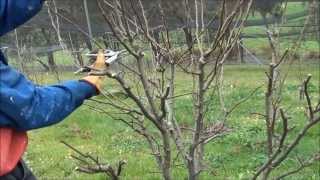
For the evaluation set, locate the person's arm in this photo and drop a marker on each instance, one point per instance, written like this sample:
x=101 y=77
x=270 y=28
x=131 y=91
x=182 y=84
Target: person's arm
x=16 y=12
x=31 y=107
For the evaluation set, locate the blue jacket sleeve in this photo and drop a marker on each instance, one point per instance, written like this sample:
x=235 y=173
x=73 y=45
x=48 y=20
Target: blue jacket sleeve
x=30 y=107
x=16 y=12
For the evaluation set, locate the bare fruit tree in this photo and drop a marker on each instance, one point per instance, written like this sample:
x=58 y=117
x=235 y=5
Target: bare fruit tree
x=148 y=78
x=278 y=144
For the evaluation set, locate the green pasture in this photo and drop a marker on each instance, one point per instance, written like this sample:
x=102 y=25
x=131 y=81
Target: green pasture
x=234 y=156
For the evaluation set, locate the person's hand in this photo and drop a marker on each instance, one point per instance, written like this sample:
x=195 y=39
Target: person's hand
x=98 y=65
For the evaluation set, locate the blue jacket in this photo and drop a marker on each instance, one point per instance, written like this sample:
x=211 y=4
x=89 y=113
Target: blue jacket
x=24 y=105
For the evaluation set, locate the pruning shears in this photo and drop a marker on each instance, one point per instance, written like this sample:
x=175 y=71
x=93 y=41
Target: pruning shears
x=111 y=57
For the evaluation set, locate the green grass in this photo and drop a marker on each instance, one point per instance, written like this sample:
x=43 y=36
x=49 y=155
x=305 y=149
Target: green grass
x=261 y=46
x=234 y=156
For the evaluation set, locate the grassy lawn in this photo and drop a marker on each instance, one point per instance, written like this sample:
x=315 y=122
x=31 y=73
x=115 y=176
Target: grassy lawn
x=232 y=157
x=235 y=156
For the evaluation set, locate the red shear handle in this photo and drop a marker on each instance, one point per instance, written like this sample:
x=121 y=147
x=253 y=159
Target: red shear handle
x=12 y=146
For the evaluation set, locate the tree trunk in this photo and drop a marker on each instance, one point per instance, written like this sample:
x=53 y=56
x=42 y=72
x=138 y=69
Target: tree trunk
x=88 y=43
x=76 y=46
x=230 y=5
x=106 y=40
x=51 y=62
x=241 y=51
x=191 y=170
x=166 y=164
x=189 y=39
x=196 y=149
